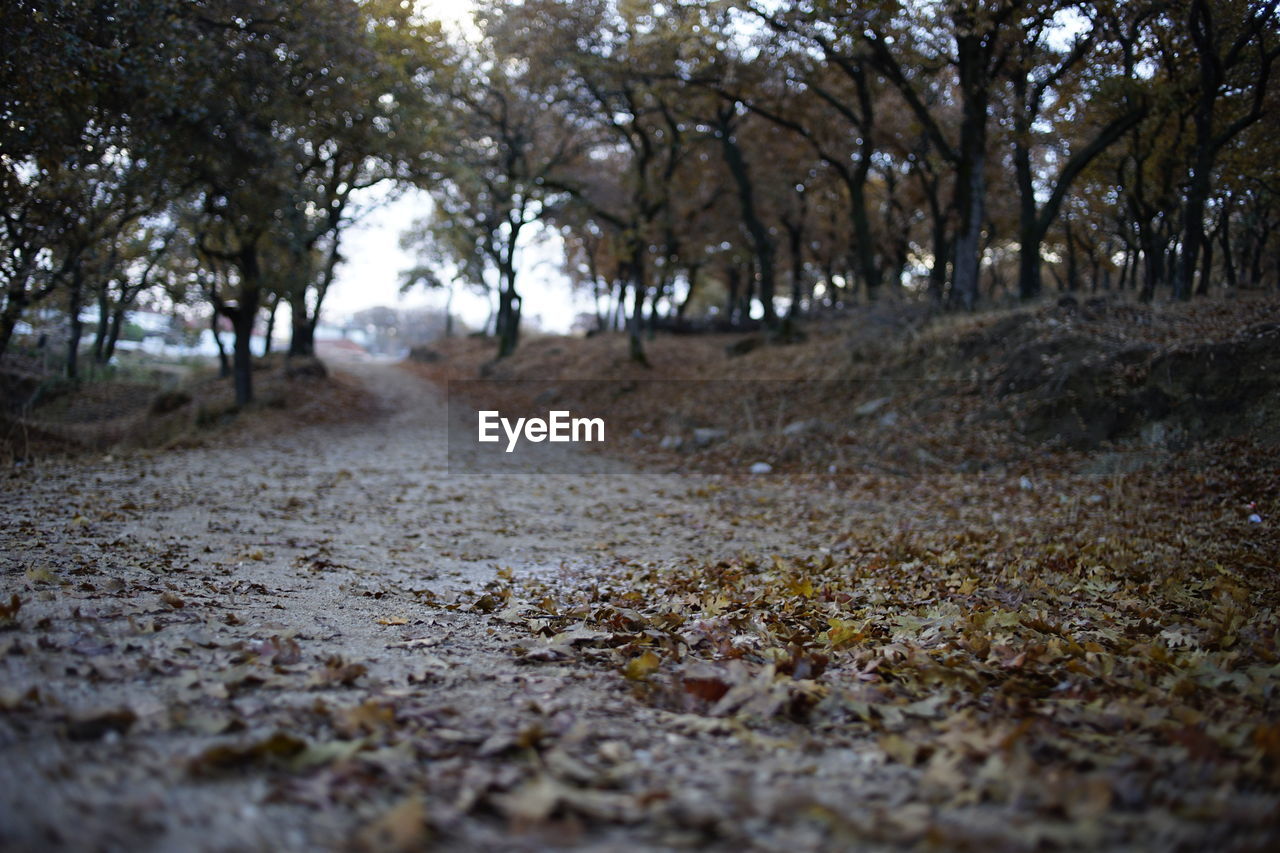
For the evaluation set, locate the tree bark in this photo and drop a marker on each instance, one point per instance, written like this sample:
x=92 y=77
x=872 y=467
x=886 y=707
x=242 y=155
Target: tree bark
x=971 y=185
x=113 y=334
x=242 y=356
x=761 y=241
x=104 y=318
x=75 y=326
x=224 y=363
x=242 y=317
x=271 y=324
x=8 y=321
x=302 y=338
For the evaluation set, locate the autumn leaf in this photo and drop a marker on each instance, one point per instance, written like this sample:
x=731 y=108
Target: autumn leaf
x=9 y=612
x=642 y=666
x=403 y=828
x=337 y=671
x=274 y=750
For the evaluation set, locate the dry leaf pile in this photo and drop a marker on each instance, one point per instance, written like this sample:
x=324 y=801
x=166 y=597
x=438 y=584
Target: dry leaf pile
x=1096 y=652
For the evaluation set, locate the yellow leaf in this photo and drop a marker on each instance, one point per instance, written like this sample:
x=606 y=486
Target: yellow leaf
x=393 y=620
x=41 y=575
x=641 y=666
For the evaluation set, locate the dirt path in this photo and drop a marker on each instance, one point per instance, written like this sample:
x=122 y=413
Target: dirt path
x=269 y=646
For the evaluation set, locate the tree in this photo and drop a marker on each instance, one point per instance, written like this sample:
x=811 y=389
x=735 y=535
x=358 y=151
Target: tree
x=1040 y=76
x=1235 y=46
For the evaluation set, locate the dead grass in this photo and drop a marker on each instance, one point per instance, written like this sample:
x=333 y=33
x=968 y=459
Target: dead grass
x=96 y=417
x=893 y=388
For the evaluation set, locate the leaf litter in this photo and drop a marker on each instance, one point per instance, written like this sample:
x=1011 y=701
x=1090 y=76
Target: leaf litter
x=959 y=661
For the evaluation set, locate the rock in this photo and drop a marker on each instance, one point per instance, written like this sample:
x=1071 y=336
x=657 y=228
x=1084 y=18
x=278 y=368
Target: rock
x=888 y=419
x=671 y=442
x=871 y=406
x=802 y=427
x=705 y=436
x=761 y=468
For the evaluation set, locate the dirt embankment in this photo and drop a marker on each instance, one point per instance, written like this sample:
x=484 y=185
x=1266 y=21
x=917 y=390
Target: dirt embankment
x=902 y=389
x=165 y=406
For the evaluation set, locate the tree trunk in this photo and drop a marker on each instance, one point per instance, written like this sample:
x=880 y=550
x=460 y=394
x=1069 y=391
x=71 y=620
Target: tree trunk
x=692 y=275
x=302 y=337
x=224 y=363
x=761 y=241
x=1192 y=231
x=635 y=338
x=732 y=284
x=75 y=327
x=971 y=186
x=113 y=334
x=242 y=318
x=941 y=251
x=864 y=245
x=508 y=320
x=1206 y=268
x=271 y=324
x=104 y=318
x=322 y=290
x=1073 y=265
x=1030 y=238
x=8 y=321
x=1228 y=258
x=795 y=247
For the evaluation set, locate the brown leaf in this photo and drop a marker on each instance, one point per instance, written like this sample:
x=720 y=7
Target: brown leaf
x=337 y=671
x=402 y=828
x=274 y=750
x=9 y=612
x=706 y=689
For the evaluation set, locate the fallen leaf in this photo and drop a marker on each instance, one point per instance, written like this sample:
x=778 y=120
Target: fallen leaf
x=642 y=666
x=273 y=751
x=403 y=828
x=337 y=671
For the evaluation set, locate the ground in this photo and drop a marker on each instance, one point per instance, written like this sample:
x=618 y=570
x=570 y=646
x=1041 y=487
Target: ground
x=174 y=602
x=335 y=637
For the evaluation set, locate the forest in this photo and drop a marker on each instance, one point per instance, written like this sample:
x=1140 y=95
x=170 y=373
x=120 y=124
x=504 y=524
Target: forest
x=719 y=163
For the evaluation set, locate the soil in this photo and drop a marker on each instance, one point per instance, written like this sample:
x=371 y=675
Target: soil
x=314 y=626
x=174 y=601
